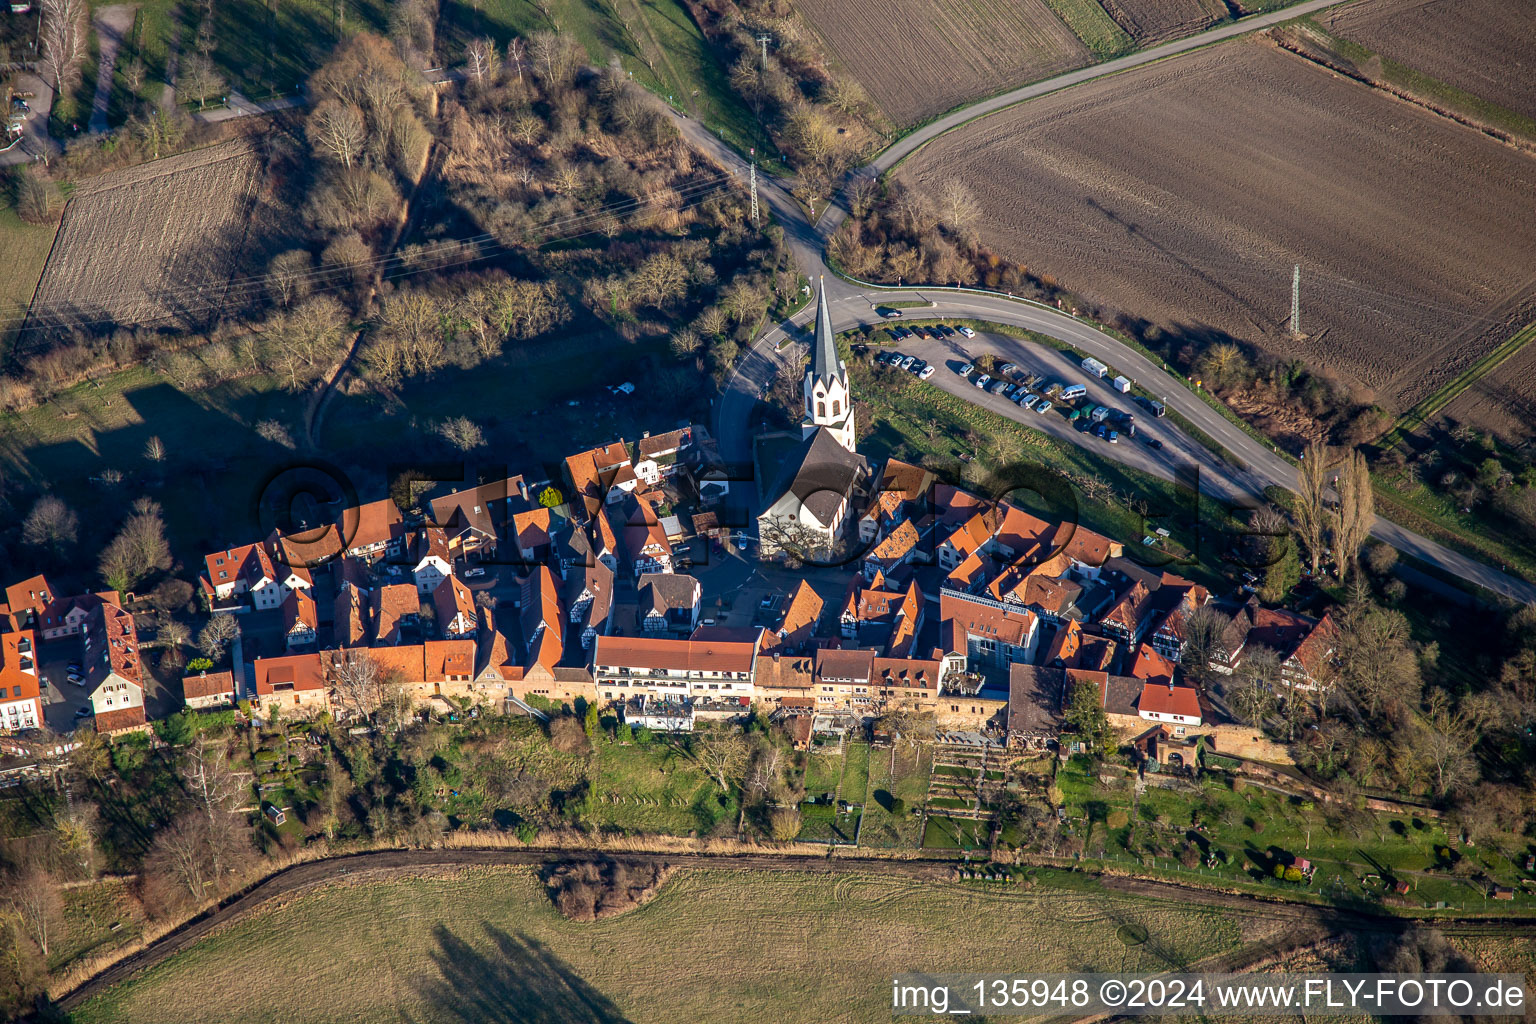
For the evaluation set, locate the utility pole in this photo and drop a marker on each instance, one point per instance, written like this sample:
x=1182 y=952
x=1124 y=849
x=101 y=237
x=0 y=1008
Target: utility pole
x=1296 y=301
x=754 y=186
x=763 y=39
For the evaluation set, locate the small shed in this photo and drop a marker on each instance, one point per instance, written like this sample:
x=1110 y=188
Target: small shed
x=1123 y=385
x=1503 y=892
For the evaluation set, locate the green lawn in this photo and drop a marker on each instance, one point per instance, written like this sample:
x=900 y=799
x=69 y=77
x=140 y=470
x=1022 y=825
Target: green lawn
x=1254 y=828
x=1093 y=25
x=823 y=770
x=485 y=945
x=855 y=784
x=26 y=248
x=655 y=789
x=954 y=834
x=900 y=772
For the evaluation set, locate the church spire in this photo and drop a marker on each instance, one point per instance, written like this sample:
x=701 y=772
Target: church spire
x=824 y=362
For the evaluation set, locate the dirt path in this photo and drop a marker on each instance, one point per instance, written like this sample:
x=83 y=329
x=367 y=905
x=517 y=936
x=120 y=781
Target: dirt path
x=1310 y=922
x=112 y=26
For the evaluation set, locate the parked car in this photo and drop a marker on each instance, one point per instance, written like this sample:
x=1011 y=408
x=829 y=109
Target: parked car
x=1114 y=437
x=470 y=574
x=82 y=712
x=892 y=314
x=1099 y=430
x=918 y=366
x=74 y=666
x=967 y=332
x=927 y=372
x=983 y=381
x=906 y=363
x=626 y=388
x=1007 y=369
x=965 y=371
x=998 y=386
x=1007 y=390
x=1043 y=407
x=1029 y=400
x=1153 y=443
x=946 y=330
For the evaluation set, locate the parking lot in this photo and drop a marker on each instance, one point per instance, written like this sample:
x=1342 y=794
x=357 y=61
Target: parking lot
x=61 y=698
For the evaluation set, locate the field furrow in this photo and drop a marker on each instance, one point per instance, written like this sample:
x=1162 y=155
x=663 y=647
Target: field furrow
x=917 y=59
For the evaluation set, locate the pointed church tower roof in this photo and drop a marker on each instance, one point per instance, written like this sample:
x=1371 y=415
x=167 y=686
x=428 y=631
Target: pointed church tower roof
x=824 y=362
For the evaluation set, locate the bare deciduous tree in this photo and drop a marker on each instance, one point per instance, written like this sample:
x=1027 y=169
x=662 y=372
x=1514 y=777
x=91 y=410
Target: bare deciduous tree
x=51 y=524
x=1357 y=511
x=1310 y=510
x=361 y=685
x=64 y=42
x=338 y=129
x=33 y=895
x=462 y=433
x=721 y=755
x=219 y=632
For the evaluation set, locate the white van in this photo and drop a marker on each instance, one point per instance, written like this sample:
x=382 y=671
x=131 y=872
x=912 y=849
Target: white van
x=1073 y=392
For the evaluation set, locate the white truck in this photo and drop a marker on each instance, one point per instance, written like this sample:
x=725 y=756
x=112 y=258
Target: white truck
x=1095 y=367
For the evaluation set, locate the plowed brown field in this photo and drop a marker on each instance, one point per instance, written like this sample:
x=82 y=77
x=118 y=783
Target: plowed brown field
x=149 y=244
x=1183 y=192
x=1484 y=47
x=1155 y=21
x=918 y=58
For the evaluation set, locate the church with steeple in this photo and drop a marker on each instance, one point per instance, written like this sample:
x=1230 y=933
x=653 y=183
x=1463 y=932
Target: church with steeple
x=828 y=403
x=814 y=495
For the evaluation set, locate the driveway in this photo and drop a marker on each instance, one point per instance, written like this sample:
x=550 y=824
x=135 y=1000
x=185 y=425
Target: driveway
x=112 y=26
x=35 y=142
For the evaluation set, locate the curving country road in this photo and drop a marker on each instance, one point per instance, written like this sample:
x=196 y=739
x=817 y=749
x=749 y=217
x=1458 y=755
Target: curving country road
x=853 y=305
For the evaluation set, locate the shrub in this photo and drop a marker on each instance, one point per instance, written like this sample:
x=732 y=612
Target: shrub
x=1293 y=874
x=898 y=807
x=784 y=823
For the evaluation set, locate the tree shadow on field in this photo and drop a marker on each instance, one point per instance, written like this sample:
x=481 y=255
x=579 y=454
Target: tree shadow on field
x=518 y=982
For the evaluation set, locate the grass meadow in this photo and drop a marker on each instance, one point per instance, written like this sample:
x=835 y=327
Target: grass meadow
x=485 y=945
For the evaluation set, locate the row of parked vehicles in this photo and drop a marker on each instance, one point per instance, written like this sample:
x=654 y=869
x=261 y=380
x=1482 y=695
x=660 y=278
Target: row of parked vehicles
x=1026 y=390
x=913 y=365
x=925 y=332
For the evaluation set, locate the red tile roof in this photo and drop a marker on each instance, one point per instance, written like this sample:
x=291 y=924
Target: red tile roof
x=298 y=672
x=673 y=655
x=1159 y=698
x=208 y=684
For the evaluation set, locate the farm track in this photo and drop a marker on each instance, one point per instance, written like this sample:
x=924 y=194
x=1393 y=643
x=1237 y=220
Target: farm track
x=299 y=878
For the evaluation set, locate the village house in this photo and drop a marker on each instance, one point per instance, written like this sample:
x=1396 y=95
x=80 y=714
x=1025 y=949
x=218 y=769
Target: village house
x=534 y=529
x=300 y=625
x=1303 y=645
x=586 y=592
x=208 y=690
x=797 y=621
x=785 y=680
x=1036 y=696
x=599 y=477
x=669 y=602
x=454 y=603
x=250 y=570
x=21 y=705
x=542 y=626
x=645 y=541
x=393 y=608
x=25 y=603
x=114 y=671
x=625 y=667
x=476 y=519
x=883 y=616
x=658 y=456
x=990 y=634
x=371 y=531
x=293 y=686
x=428 y=557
